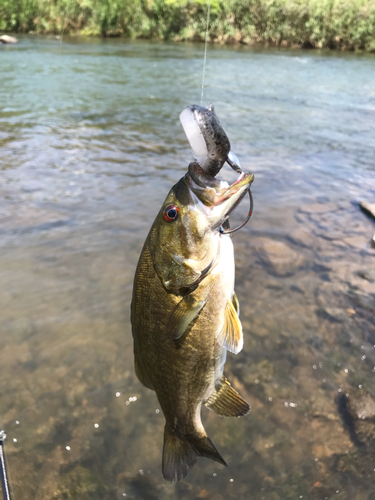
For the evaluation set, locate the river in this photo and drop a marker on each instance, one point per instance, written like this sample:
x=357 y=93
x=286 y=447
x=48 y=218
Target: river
x=90 y=143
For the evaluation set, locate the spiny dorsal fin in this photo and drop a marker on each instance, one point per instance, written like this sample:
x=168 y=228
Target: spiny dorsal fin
x=184 y=313
x=226 y=401
x=230 y=337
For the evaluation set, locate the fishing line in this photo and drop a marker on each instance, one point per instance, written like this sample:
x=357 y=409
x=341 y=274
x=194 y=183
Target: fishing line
x=205 y=48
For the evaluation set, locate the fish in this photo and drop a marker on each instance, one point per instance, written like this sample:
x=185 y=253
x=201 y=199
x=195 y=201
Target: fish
x=185 y=314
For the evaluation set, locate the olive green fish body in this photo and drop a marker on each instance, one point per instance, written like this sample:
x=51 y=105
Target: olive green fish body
x=183 y=372
x=185 y=317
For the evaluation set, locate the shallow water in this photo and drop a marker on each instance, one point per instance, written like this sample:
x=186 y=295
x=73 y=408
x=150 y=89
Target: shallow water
x=90 y=143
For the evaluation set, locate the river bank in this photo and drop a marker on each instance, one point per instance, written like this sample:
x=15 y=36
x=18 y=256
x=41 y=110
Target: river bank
x=334 y=24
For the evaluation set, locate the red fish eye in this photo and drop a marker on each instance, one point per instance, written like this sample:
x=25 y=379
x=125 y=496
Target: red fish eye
x=171 y=213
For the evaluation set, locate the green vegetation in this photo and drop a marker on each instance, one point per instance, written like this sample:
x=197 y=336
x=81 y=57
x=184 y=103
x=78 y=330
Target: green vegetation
x=341 y=24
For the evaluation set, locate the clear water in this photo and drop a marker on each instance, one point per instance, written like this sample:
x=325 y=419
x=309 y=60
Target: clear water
x=90 y=143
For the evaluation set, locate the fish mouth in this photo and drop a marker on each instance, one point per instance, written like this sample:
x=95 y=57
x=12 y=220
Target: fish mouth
x=217 y=195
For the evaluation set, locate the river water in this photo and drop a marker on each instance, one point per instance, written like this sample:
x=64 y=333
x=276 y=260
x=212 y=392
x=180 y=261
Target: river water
x=90 y=143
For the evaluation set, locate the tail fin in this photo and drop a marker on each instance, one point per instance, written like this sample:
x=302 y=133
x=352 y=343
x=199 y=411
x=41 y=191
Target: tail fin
x=180 y=454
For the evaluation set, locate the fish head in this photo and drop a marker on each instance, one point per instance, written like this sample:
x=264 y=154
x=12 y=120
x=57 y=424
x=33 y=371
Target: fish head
x=186 y=233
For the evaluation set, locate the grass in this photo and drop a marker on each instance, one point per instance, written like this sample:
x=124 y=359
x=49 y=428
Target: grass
x=337 y=24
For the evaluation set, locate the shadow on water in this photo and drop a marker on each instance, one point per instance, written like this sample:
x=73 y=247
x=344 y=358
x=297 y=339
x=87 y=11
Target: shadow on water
x=90 y=144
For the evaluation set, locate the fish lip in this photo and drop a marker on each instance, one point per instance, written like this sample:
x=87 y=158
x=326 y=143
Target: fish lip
x=219 y=197
x=199 y=181
x=231 y=199
x=244 y=180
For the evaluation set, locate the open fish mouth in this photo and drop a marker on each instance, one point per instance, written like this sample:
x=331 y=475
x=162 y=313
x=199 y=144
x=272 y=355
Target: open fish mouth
x=218 y=196
x=211 y=148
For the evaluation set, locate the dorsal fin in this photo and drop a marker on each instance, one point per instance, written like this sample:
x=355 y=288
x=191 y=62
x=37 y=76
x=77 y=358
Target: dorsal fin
x=183 y=314
x=226 y=401
x=230 y=337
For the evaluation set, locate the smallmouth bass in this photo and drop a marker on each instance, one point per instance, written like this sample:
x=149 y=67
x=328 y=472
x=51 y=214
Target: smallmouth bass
x=185 y=314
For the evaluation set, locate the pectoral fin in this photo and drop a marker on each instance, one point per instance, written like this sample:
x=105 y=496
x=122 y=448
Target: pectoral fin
x=226 y=402
x=184 y=314
x=230 y=337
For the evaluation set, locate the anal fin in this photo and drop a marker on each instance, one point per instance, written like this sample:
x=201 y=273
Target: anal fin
x=226 y=401
x=230 y=336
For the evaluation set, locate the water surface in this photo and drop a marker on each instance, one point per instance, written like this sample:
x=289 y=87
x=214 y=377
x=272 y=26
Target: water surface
x=90 y=143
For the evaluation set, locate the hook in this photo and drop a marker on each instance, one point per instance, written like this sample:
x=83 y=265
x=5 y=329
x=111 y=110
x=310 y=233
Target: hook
x=233 y=161
x=229 y=231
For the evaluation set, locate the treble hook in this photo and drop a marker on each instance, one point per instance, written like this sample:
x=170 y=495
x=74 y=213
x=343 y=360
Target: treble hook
x=233 y=161
x=3 y=470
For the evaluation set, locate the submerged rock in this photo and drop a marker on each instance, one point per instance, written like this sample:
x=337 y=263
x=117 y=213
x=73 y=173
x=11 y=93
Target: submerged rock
x=278 y=256
x=361 y=407
x=8 y=39
x=368 y=208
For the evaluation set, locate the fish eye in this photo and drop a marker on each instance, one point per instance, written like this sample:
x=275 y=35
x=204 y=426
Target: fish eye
x=171 y=213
